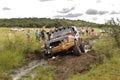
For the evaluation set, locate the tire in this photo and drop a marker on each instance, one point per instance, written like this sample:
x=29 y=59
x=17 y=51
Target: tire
x=47 y=56
x=82 y=48
x=76 y=49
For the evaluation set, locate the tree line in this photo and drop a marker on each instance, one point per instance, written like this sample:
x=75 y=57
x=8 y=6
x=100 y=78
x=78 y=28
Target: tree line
x=40 y=22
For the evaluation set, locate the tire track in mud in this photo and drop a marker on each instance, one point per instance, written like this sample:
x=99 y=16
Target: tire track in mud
x=70 y=64
x=18 y=73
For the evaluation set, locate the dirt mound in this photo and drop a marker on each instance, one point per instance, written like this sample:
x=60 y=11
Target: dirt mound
x=70 y=64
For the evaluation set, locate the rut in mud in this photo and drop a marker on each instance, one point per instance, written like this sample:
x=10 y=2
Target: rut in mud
x=70 y=64
x=27 y=68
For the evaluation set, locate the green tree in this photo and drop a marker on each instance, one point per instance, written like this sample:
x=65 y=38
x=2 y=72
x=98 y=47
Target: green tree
x=114 y=25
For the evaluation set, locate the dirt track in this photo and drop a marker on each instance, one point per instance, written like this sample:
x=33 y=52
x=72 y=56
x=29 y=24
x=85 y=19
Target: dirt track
x=70 y=64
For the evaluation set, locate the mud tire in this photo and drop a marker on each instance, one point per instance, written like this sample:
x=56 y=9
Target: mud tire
x=76 y=49
x=47 y=56
x=82 y=48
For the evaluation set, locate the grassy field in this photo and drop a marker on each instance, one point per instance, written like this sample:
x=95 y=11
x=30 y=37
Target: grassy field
x=14 y=47
x=110 y=69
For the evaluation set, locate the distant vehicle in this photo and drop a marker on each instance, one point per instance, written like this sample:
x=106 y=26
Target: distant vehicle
x=17 y=29
x=65 y=39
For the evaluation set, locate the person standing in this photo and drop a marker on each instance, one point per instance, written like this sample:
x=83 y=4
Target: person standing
x=49 y=34
x=37 y=35
x=92 y=31
x=87 y=31
x=43 y=36
x=28 y=35
x=83 y=31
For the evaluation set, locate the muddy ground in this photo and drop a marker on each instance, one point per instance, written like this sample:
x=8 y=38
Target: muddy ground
x=70 y=64
x=66 y=65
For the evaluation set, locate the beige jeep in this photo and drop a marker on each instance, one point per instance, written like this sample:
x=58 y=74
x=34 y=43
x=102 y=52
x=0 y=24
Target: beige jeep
x=65 y=39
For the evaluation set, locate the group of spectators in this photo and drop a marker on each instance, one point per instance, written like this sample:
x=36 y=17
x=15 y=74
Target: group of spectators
x=39 y=35
x=87 y=31
x=42 y=34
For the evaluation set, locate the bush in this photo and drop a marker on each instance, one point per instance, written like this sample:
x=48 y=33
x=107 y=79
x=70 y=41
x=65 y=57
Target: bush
x=105 y=46
x=9 y=60
x=114 y=25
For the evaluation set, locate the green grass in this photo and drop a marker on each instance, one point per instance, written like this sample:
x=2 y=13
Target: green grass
x=40 y=73
x=111 y=66
x=13 y=48
x=9 y=60
x=106 y=71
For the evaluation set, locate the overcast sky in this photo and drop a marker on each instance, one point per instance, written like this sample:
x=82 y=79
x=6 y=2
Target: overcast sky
x=98 y=11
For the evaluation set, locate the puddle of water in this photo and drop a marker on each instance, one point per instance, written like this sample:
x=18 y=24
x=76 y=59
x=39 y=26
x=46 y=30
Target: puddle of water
x=26 y=69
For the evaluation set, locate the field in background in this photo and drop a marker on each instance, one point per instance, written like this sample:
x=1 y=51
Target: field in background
x=14 y=47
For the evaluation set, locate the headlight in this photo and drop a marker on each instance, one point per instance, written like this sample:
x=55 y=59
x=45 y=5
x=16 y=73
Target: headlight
x=65 y=40
x=50 y=47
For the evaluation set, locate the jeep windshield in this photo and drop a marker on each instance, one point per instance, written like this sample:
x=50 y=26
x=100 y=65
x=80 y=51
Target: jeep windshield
x=61 y=32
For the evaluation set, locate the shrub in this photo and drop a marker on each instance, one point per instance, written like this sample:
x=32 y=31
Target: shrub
x=105 y=46
x=9 y=60
x=114 y=25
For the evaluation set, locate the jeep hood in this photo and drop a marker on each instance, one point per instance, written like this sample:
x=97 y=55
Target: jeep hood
x=56 y=39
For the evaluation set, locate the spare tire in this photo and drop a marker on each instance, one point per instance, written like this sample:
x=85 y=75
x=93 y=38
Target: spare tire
x=76 y=49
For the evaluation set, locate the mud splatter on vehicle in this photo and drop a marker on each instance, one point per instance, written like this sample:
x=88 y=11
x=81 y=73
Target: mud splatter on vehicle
x=64 y=39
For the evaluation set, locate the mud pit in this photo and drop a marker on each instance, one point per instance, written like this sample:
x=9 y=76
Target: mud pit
x=65 y=65
x=70 y=64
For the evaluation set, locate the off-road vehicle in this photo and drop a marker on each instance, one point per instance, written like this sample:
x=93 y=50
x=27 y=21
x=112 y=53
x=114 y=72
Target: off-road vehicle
x=64 y=39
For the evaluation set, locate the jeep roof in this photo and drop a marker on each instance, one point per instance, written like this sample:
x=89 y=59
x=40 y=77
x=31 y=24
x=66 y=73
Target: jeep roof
x=61 y=32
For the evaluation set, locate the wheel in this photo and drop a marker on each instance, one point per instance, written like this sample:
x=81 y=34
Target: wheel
x=47 y=56
x=82 y=48
x=76 y=49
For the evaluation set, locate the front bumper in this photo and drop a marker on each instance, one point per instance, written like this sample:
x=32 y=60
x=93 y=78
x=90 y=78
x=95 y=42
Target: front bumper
x=63 y=46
